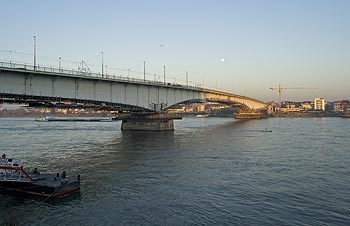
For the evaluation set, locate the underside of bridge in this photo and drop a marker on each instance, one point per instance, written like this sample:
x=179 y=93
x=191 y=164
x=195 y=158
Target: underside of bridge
x=59 y=102
x=241 y=107
x=133 y=117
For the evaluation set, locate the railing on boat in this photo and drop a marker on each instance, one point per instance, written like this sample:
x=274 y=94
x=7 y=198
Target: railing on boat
x=12 y=170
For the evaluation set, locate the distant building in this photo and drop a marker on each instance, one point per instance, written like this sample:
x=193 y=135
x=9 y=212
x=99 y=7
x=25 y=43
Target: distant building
x=199 y=108
x=306 y=106
x=289 y=106
x=319 y=104
x=272 y=107
x=342 y=105
x=214 y=106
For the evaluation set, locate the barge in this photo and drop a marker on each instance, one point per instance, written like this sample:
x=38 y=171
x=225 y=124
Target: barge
x=15 y=179
x=73 y=119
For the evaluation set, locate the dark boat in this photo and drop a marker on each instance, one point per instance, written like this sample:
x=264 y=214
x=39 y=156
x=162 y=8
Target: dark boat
x=15 y=179
x=73 y=119
x=266 y=130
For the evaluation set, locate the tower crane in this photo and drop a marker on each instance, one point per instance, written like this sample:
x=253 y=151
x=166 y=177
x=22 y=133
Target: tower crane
x=279 y=89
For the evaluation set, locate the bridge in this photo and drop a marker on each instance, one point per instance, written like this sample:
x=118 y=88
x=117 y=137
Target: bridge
x=58 y=87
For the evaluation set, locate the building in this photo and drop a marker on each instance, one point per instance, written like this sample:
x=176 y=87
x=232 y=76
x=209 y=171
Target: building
x=342 y=105
x=289 y=106
x=319 y=104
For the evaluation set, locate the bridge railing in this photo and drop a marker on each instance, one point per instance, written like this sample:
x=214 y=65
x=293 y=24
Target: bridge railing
x=48 y=69
x=82 y=73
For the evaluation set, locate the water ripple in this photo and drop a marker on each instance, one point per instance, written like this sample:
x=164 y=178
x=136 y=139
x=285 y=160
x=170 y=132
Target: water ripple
x=207 y=172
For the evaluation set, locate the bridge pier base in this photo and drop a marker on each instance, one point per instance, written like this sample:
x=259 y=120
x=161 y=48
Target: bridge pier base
x=147 y=124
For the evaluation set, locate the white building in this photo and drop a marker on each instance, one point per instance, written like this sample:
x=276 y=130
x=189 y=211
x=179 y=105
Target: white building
x=319 y=104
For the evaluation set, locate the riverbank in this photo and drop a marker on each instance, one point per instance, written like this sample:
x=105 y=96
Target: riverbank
x=306 y=114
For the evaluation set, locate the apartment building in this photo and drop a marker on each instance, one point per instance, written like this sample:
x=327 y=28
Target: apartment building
x=319 y=104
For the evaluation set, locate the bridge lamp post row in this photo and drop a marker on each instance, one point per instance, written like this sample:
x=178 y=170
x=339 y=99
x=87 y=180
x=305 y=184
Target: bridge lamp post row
x=144 y=71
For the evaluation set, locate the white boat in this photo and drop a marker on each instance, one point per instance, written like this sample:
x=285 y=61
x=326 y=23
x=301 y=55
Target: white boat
x=202 y=116
x=43 y=119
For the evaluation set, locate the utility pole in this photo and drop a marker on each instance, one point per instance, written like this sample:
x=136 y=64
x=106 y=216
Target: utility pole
x=164 y=73
x=186 y=78
x=102 y=64
x=59 y=64
x=34 y=52
x=144 y=70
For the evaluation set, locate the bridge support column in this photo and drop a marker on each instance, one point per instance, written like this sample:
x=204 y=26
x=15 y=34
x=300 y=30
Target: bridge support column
x=147 y=123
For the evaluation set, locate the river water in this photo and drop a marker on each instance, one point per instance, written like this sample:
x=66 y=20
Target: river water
x=210 y=171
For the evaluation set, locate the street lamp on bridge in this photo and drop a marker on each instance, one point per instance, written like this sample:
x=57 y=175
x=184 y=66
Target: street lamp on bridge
x=102 y=64
x=144 y=70
x=59 y=64
x=34 y=52
x=186 y=78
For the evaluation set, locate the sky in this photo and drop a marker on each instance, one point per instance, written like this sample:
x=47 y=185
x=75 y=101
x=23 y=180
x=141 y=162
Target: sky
x=245 y=47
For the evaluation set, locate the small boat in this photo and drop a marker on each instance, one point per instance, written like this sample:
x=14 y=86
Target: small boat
x=14 y=179
x=266 y=130
x=202 y=116
x=73 y=119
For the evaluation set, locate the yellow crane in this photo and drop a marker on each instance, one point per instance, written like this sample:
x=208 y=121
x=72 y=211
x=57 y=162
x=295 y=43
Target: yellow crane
x=279 y=89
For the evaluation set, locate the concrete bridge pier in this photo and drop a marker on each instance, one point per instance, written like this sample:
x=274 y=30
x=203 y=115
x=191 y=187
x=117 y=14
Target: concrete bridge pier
x=158 y=122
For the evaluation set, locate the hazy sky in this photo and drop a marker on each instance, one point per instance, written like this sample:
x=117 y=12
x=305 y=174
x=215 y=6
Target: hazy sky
x=241 y=46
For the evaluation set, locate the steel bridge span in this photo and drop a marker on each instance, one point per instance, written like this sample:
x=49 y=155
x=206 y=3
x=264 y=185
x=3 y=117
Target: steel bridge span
x=25 y=83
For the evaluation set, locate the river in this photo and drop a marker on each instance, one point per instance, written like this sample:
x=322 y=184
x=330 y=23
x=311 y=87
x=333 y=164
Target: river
x=209 y=171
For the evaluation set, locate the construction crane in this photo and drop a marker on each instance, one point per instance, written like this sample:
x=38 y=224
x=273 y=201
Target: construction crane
x=279 y=88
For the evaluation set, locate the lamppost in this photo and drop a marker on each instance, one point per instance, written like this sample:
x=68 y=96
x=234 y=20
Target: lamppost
x=164 y=73
x=144 y=70
x=34 y=52
x=186 y=78
x=102 y=64
x=59 y=64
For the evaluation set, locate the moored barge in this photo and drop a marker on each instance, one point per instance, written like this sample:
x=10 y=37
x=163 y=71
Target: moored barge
x=73 y=119
x=15 y=179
